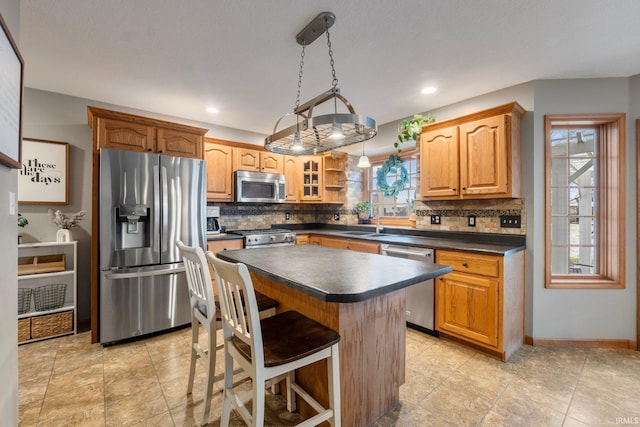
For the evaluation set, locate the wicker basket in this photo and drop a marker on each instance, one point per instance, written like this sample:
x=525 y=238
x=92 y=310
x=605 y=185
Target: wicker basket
x=49 y=297
x=24 y=330
x=24 y=300
x=52 y=324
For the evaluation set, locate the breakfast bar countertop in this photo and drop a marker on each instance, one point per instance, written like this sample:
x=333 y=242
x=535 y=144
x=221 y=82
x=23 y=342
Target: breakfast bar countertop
x=334 y=275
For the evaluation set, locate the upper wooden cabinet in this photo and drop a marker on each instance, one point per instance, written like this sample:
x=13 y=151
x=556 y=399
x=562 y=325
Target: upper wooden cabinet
x=310 y=178
x=290 y=171
x=113 y=129
x=219 y=159
x=334 y=177
x=472 y=157
x=258 y=161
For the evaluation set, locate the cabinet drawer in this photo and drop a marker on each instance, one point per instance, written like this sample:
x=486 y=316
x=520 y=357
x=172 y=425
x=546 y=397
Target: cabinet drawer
x=463 y=262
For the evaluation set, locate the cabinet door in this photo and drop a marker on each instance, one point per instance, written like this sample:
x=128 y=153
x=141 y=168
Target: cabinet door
x=360 y=246
x=219 y=159
x=439 y=163
x=483 y=157
x=290 y=171
x=467 y=306
x=271 y=162
x=302 y=239
x=121 y=135
x=334 y=242
x=311 y=174
x=247 y=160
x=178 y=143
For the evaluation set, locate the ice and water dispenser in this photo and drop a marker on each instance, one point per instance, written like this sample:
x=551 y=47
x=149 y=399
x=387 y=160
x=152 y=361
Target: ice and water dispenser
x=133 y=227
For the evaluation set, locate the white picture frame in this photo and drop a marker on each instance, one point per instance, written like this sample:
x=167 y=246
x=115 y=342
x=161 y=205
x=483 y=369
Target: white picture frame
x=11 y=83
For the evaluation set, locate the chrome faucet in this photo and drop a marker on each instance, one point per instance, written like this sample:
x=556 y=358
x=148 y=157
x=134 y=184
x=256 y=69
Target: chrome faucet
x=379 y=227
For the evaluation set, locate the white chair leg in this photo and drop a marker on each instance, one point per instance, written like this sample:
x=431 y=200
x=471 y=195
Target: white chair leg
x=333 y=374
x=227 y=405
x=194 y=354
x=211 y=374
x=258 y=402
x=291 y=395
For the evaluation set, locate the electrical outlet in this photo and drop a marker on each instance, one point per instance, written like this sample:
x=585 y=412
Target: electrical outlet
x=510 y=221
x=336 y=216
x=435 y=219
x=471 y=220
x=287 y=216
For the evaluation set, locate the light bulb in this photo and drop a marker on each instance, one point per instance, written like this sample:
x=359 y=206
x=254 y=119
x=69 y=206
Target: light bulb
x=297 y=145
x=336 y=132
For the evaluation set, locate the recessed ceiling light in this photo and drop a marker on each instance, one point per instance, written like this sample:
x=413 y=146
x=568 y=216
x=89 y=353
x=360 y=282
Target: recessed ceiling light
x=429 y=90
x=212 y=110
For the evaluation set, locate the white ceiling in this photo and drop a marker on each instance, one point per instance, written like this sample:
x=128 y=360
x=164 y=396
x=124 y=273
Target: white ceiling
x=176 y=57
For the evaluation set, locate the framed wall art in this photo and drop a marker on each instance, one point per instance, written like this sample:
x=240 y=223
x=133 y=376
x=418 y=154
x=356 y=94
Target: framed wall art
x=44 y=176
x=11 y=70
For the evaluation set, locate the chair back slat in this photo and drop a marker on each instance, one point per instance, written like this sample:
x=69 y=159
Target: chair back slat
x=198 y=277
x=242 y=320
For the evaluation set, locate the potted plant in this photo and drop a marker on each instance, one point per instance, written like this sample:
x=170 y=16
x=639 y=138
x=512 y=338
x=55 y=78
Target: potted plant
x=65 y=223
x=363 y=209
x=411 y=129
x=22 y=223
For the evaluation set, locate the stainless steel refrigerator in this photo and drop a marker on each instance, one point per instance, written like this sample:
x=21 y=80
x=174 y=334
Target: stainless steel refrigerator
x=147 y=202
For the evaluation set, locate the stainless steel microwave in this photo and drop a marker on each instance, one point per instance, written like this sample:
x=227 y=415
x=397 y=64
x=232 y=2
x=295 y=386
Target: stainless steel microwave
x=259 y=187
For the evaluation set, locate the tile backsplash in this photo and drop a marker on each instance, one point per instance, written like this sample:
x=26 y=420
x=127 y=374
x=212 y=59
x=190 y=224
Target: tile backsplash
x=453 y=214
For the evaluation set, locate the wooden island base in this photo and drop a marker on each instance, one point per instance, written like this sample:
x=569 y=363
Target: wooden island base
x=372 y=350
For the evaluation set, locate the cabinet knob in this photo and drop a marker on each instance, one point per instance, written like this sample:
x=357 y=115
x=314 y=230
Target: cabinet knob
x=441 y=279
x=453 y=189
x=464 y=264
x=464 y=188
x=149 y=149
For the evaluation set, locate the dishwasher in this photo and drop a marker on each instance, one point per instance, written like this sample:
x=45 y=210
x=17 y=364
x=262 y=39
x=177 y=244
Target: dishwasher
x=420 y=297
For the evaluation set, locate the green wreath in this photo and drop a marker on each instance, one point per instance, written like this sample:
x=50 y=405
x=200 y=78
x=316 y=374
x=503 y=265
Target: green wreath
x=394 y=165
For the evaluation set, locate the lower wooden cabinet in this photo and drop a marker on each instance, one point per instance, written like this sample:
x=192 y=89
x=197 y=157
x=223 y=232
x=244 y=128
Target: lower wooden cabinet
x=302 y=239
x=341 y=243
x=482 y=300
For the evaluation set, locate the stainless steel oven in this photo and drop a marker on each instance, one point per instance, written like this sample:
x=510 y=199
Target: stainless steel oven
x=421 y=296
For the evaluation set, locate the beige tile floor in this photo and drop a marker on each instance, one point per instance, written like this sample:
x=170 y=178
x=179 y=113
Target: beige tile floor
x=68 y=381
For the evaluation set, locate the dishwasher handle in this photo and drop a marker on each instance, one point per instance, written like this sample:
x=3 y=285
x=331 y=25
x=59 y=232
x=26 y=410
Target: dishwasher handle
x=403 y=250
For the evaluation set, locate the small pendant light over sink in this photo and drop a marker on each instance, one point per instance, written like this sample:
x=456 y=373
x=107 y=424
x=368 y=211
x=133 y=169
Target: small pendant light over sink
x=315 y=134
x=364 y=162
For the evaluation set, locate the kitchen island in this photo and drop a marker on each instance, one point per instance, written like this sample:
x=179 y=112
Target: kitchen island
x=359 y=295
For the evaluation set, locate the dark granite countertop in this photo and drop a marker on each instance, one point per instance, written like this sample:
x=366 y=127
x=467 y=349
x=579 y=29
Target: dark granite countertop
x=334 y=275
x=472 y=242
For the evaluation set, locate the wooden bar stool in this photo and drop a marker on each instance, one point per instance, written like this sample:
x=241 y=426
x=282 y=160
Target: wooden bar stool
x=203 y=304
x=271 y=349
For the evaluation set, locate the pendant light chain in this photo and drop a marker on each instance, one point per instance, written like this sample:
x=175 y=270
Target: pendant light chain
x=300 y=78
x=334 y=82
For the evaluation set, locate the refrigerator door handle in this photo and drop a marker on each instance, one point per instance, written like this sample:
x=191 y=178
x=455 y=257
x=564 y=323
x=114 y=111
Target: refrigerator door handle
x=133 y=275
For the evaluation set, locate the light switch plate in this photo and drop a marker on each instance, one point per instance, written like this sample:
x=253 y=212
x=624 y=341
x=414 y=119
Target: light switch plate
x=471 y=220
x=435 y=219
x=510 y=221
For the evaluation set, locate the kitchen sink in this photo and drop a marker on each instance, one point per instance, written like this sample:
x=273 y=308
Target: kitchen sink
x=356 y=233
x=363 y=234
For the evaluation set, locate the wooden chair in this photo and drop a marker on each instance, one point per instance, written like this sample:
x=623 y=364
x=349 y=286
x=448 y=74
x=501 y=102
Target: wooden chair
x=271 y=349
x=205 y=311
